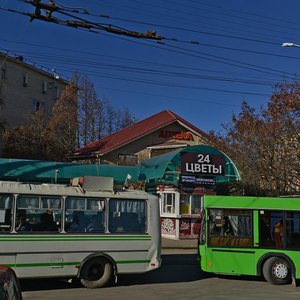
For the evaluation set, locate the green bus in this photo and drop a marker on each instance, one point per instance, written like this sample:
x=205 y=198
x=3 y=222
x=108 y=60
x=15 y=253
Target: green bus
x=257 y=236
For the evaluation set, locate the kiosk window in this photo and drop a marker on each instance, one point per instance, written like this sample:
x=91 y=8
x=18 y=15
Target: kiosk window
x=168 y=203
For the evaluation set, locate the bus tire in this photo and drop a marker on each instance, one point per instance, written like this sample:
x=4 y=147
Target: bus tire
x=277 y=270
x=96 y=272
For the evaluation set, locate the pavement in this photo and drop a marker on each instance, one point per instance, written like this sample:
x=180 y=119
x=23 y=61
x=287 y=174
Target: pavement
x=179 y=244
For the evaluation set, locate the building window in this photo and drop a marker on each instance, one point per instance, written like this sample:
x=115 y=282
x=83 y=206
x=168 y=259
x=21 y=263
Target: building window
x=44 y=87
x=57 y=91
x=25 y=79
x=185 y=206
x=190 y=204
x=196 y=204
x=3 y=72
x=37 y=105
x=127 y=160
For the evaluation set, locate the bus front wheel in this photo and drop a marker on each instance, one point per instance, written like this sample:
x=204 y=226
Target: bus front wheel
x=277 y=270
x=96 y=272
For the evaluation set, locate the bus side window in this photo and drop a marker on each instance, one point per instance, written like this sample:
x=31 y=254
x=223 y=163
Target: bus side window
x=132 y=222
x=6 y=202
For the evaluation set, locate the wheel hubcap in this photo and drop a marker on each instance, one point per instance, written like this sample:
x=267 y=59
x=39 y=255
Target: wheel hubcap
x=280 y=270
x=95 y=272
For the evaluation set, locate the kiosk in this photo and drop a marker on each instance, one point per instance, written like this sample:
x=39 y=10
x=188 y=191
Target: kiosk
x=180 y=179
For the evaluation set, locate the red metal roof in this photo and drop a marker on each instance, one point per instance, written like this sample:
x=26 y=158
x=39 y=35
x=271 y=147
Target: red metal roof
x=132 y=133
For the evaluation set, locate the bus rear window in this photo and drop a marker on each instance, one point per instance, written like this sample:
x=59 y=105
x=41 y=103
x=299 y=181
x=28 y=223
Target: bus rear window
x=230 y=228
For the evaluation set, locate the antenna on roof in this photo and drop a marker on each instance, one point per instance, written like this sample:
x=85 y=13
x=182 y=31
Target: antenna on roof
x=55 y=74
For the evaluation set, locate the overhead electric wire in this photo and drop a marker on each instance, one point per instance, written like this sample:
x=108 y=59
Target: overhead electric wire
x=181 y=11
x=122 y=58
x=209 y=57
x=215 y=56
x=179 y=40
x=231 y=20
x=183 y=99
x=236 y=63
x=176 y=85
x=264 y=17
x=124 y=68
x=171 y=27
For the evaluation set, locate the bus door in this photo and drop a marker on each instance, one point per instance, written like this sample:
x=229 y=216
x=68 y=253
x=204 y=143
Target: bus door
x=230 y=240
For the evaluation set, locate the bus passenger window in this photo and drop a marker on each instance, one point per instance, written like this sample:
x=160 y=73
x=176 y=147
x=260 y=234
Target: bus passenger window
x=85 y=214
x=77 y=223
x=265 y=238
x=47 y=221
x=6 y=215
x=22 y=223
x=127 y=215
x=38 y=213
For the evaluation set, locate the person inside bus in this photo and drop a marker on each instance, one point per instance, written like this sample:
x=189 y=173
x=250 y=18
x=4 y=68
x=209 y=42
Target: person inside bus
x=47 y=221
x=23 y=224
x=77 y=221
x=95 y=224
x=278 y=234
x=264 y=232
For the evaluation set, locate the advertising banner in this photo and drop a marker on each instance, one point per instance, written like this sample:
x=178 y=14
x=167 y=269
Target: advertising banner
x=202 y=164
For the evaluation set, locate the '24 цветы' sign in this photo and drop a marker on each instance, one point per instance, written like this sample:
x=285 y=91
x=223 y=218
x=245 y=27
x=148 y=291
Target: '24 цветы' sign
x=202 y=164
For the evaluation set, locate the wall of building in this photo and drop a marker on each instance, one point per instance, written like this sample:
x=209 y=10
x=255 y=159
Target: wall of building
x=140 y=147
x=25 y=89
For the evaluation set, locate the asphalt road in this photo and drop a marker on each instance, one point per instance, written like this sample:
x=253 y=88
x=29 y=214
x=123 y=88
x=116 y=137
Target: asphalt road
x=178 y=278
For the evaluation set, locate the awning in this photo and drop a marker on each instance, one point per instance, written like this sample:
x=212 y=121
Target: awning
x=160 y=166
x=46 y=171
x=157 y=168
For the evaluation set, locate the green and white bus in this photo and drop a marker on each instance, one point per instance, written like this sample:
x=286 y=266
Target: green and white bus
x=87 y=230
x=251 y=236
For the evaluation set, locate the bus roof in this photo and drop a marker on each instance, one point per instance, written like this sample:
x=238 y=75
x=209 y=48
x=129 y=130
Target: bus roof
x=65 y=190
x=243 y=202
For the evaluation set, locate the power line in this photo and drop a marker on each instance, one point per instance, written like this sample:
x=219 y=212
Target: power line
x=80 y=23
x=39 y=56
x=85 y=22
x=211 y=57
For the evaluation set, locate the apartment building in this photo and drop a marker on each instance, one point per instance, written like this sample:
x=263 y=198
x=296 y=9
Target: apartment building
x=25 y=89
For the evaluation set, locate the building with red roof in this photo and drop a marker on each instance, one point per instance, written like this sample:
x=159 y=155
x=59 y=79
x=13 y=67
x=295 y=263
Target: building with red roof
x=155 y=135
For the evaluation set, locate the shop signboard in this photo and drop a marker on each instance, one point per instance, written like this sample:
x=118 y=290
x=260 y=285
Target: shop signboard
x=202 y=164
x=196 y=180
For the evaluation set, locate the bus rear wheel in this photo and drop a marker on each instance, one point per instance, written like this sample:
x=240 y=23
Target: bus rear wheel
x=96 y=272
x=277 y=270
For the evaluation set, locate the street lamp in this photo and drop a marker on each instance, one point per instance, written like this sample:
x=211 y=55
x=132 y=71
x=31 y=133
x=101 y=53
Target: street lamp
x=290 y=45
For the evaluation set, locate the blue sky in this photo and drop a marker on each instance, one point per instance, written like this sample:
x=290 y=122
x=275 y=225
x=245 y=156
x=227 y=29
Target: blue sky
x=223 y=52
